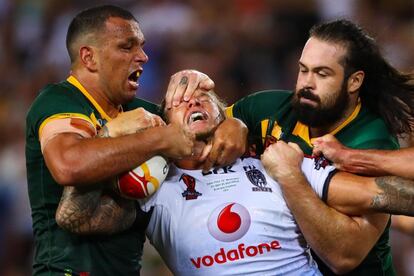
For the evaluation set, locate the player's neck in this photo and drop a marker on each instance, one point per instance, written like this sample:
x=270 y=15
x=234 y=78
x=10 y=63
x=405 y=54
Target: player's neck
x=193 y=162
x=90 y=85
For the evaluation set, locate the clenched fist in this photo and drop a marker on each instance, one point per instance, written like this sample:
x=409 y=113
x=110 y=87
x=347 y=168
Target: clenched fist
x=178 y=143
x=283 y=161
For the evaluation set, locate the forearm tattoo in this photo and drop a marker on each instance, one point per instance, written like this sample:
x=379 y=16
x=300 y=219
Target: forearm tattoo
x=92 y=212
x=396 y=197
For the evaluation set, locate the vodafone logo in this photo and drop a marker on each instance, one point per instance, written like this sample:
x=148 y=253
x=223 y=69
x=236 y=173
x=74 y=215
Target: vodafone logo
x=229 y=222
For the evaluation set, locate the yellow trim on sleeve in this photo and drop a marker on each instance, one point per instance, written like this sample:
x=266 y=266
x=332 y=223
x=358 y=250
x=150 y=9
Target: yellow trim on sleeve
x=72 y=80
x=63 y=116
x=229 y=111
x=94 y=120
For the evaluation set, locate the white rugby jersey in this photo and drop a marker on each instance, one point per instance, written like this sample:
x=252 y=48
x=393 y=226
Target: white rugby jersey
x=231 y=221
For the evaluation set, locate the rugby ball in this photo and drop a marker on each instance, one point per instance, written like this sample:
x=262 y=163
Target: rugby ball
x=144 y=180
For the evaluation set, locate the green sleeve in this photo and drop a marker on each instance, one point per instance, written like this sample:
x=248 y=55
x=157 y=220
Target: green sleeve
x=54 y=100
x=370 y=132
x=258 y=106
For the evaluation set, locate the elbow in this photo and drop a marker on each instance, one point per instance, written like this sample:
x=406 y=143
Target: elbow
x=344 y=265
x=66 y=174
x=59 y=220
x=63 y=222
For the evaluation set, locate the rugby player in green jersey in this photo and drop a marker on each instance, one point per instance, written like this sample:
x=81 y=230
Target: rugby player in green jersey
x=347 y=89
x=105 y=45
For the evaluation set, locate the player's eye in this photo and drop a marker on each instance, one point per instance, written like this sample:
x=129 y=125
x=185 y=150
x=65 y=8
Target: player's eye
x=203 y=98
x=126 y=47
x=322 y=73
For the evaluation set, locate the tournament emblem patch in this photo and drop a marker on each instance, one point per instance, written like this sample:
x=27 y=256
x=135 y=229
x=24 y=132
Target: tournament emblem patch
x=321 y=162
x=190 y=193
x=257 y=178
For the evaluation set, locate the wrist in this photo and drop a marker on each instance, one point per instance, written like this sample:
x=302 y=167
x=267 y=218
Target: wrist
x=159 y=137
x=291 y=178
x=347 y=159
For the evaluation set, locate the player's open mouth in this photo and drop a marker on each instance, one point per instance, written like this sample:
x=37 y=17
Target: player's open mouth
x=196 y=116
x=134 y=76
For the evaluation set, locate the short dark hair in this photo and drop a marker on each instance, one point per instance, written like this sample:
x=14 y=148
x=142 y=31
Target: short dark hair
x=92 y=20
x=385 y=90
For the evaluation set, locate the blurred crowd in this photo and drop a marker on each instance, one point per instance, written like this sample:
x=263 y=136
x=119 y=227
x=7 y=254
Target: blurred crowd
x=243 y=45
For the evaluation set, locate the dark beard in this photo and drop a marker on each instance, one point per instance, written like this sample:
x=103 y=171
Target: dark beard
x=320 y=116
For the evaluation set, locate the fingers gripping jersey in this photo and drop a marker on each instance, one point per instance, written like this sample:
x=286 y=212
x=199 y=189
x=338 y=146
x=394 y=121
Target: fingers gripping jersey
x=230 y=221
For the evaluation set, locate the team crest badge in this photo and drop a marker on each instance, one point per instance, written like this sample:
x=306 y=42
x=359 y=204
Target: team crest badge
x=258 y=179
x=190 y=193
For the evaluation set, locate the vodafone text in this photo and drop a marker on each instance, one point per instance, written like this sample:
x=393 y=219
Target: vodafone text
x=240 y=252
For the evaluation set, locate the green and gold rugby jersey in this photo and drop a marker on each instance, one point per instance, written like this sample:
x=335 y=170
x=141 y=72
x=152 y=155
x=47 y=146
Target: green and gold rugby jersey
x=58 y=252
x=269 y=114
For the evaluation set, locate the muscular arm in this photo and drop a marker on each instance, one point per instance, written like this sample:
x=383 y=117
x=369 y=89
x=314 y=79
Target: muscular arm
x=76 y=161
x=353 y=194
x=380 y=162
x=366 y=162
x=83 y=211
x=341 y=241
x=88 y=210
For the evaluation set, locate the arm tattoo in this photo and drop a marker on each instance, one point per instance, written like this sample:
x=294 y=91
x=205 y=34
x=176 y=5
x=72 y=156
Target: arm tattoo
x=396 y=196
x=92 y=212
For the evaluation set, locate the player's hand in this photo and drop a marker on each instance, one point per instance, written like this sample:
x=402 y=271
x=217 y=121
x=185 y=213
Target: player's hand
x=228 y=144
x=130 y=122
x=179 y=142
x=183 y=84
x=332 y=149
x=283 y=161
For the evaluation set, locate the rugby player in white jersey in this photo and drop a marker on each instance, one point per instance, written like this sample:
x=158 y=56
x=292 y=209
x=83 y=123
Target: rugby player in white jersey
x=233 y=220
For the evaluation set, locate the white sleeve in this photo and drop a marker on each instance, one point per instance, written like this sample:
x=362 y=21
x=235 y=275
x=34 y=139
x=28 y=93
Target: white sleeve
x=318 y=172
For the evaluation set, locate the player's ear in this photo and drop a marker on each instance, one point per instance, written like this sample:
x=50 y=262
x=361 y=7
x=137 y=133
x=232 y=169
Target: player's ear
x=355 y=81
x=87 y=56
